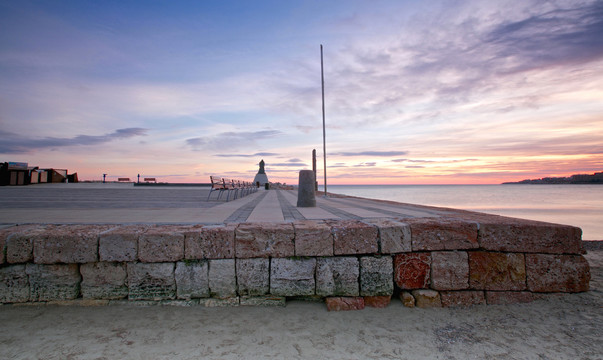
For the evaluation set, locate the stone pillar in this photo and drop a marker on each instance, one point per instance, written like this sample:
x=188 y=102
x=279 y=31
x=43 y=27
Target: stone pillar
x=306 y=197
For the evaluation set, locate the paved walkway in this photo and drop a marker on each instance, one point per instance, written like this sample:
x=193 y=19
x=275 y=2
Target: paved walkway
x=124 y=203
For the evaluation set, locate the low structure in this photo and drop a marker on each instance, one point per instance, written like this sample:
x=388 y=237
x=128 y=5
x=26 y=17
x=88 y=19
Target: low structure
x=261 y=179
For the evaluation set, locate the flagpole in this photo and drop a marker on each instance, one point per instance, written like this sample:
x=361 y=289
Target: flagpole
x=324 y=141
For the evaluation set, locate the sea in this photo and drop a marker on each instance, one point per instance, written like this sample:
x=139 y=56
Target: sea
x=576 y=205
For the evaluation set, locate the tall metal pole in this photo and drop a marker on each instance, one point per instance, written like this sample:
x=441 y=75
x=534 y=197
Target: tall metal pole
x=324 y=139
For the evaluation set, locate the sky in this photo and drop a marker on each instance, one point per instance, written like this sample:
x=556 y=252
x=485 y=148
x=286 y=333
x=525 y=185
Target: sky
x=416 y=92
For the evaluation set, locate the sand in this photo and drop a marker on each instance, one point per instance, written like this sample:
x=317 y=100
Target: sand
x=560 y=327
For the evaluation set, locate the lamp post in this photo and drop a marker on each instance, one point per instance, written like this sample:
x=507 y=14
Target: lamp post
x=324 y=140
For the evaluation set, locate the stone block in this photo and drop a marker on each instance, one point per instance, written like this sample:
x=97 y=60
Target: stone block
x=443 y=234
x=449 y=270
x=530 y=237
x=67 y=244
x=509 y=297
x=161 y=244
x=19 y=243
x=120 y=244
x=462 y=298
x=292 y=277
x=496 y=271
x=14 y=284
x=377 y=301
x=4 y=233
x=253 y=276
x=344 y=303
x=210 y=242
x=104 y=280
x=407 y=299
x=216 y=302
x=254 y=240
x=427 y=298
x=376 y=276
x=337 y=276
x=151 y=281
x=351 y=237
x=222 y=278
x=271 y=301
x=412 y=270
x=313 y=238
x=192 y=280
x=557 y=273
x=394 y=236
x=53 y=282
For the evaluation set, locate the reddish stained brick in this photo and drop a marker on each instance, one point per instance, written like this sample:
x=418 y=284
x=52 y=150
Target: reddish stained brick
x=557 y=273
x=449 y=270
x=344 y=303
x=210 y=242
x=509 y=297
x=443 y=234
x=313 y=238
x=67 y=244
x=411 y=270
x=427 y=298
x=530 y=237
x=462 y=298
x=496 y=271
x=161 y=244
x=377 y=301
x=254 y=240
x=352 y=237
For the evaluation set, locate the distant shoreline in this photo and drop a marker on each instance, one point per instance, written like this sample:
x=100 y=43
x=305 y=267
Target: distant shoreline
x=578 y=179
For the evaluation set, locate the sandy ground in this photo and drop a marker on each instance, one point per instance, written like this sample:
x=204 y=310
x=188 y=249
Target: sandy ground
x=563 y=327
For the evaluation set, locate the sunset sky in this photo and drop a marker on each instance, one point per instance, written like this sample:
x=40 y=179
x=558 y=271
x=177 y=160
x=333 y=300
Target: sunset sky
x=417 y=92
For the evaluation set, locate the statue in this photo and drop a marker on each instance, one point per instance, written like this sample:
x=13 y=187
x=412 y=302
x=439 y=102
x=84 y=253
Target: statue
x=261 y=178
x=261 y=167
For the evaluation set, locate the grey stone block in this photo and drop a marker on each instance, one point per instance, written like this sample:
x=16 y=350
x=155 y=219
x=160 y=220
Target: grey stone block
x=104 y=280
x=376 y=276
x=68 y=244
x=19 y=244
x=192 y=280
x=210 y=242
x=271 y=301
x=253 y=276
x=14 y=284
x=160 y=244
x=154 y=281
x=394 y=236
x=120 y=244
x=337 y=276
x=53 y=282
x=222 y=278
x=292 y=277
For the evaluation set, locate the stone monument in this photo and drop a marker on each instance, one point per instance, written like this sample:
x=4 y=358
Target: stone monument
x=260 y=178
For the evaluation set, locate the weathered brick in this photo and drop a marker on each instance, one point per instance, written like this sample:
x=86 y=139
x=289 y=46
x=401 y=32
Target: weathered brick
x=313 y=238
x=377 y=301
x=192 y=280
x=509 y=297
x=530 y=237
x=151 y=281
x=4 y=233
x=337 y=276
x=462 y=298
x=496 y=271
x=557 y=273
x=443 y=234
x=14 y=284
x=210 y=242
x=120 y=244
x=427 y=298
x=103 y=280
x=253 y=240
x=344 y=303
x=67 y=244
x=263 y=301
x=53 y=282
x=161 y=244
x=376 y=276
x=411 y=270
x=351 y=237
x=394 y=236
x=217 y=302
x=407 y=299
x=449 y=270
x=222 y=278
x=292 y=277
x=253 y=276
x=19 y=243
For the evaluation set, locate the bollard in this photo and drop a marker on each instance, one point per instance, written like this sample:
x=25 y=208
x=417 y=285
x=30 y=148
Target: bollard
x=305 y=194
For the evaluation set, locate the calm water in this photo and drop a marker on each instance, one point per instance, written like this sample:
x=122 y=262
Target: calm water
x=577 y=205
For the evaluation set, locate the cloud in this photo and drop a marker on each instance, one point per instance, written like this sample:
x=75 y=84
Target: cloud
x=371 y=153
x=15 y=143
x=231 y=139
x=247 y=155
x=288 y=164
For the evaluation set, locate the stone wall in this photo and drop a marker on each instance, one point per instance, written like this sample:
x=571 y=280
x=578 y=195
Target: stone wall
x=349 y=264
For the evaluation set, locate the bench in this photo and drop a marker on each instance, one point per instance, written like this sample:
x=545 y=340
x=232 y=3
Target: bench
x=123 y=179
x=150 y=179
x=239 y=188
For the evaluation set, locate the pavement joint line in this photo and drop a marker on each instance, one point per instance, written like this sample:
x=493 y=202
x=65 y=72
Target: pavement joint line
x=242 y=213
x=383 y=211
x=289 y=211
